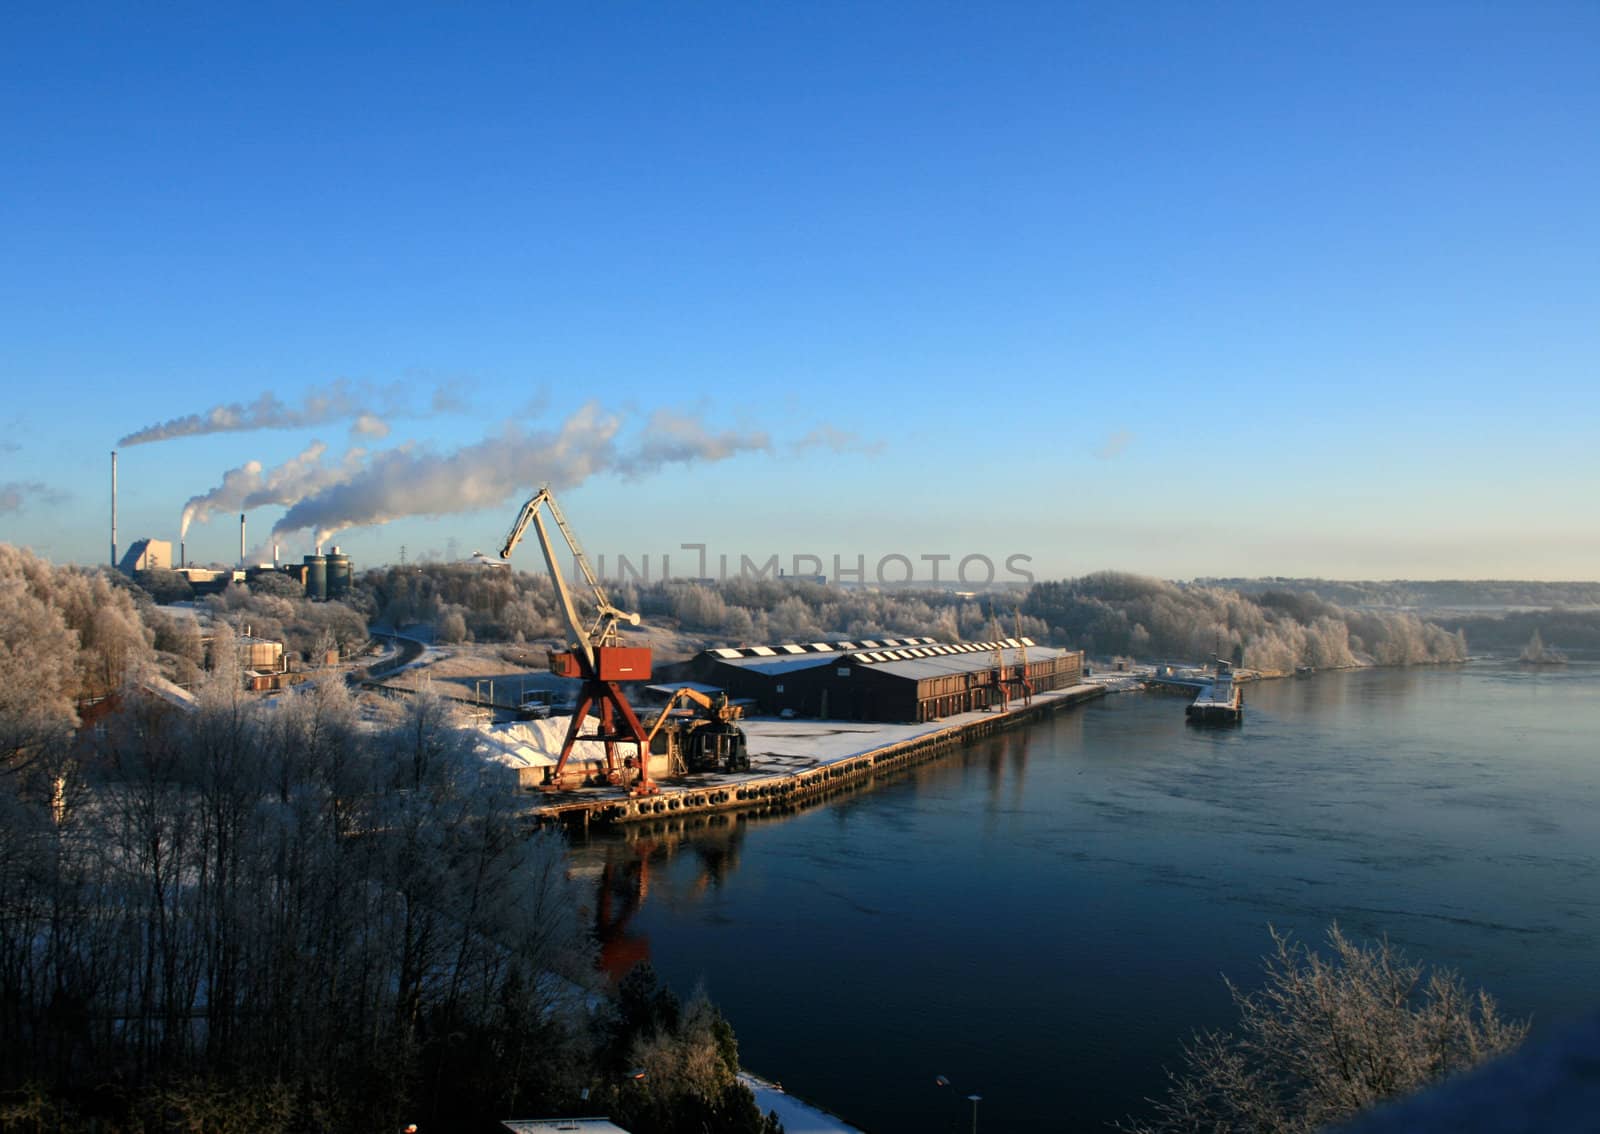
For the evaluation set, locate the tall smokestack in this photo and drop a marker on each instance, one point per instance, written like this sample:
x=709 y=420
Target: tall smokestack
x=113 y=507
x=274 y=554
x=183 y=554
x=241 y=539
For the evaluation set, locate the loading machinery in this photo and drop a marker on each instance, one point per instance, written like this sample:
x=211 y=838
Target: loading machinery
x=593 y=654
x=708 y=743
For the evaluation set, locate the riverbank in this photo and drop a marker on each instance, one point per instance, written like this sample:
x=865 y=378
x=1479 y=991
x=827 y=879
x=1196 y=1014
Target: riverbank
x=797 y=1115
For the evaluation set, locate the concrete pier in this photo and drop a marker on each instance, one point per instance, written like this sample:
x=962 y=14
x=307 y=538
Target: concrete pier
x=797 y=760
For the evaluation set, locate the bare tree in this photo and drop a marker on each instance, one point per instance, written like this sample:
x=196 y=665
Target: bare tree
x=1325 y=1038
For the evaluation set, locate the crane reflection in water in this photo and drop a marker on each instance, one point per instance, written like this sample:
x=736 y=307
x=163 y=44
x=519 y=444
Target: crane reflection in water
x=627 y=865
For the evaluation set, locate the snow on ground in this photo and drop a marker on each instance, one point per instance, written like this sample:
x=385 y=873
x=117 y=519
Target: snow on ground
x=1124 y=681
x=797 y=1116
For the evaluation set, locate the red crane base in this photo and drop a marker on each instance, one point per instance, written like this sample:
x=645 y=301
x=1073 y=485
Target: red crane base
x=619 y=724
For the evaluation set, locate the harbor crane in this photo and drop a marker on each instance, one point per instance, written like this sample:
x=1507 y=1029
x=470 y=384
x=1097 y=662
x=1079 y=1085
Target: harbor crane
x=1009 y=681
x=1022 y=683
x=593 y=654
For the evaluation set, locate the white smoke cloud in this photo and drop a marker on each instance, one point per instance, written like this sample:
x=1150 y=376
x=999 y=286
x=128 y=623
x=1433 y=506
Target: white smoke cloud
x=236 y=485
x=341 y=401
x=364 y=488
x=369 y=425
x=304 y=475
x=1114 y=445
x=16 y=495
x=248 y=487
x=674 y=438
x=414 y=481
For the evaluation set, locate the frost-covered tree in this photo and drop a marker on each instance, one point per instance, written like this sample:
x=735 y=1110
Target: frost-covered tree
x=38 y=675
x=1326 y=1037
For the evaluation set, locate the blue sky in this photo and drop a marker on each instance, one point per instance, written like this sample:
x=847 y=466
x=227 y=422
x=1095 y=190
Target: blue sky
x=1180 y=289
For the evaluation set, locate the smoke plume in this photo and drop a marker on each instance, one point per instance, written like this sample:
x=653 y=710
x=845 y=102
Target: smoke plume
x=836 y=441
x=248 y=487
x=16 y=495
x=673 y=438
x=413 y=481
x=341 y=401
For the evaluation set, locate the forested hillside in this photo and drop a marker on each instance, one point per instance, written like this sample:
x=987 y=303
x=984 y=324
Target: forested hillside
x=1424 y=595
x=1111 y=613
x=1106 y=614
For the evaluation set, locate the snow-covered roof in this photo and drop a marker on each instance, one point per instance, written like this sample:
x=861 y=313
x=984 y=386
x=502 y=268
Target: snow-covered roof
x=1219 y=692
x=785 y=665
x=980 y=656
x=562 y=1126
x=173 y=694
x=697 y=686
x=782 y=659
x=810 y=649
x=916 y=658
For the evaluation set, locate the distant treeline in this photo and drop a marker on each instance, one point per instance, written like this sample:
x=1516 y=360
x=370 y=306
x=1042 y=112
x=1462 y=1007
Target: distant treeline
x=1571 y=631
x=468 y=602
x=1106 y=614
x=1449 y=594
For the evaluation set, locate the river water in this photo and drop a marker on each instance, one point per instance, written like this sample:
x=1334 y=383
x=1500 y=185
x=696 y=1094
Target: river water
x=1044 y=916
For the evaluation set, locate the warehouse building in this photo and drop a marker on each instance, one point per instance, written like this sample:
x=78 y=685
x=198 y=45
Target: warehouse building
x=897 y=679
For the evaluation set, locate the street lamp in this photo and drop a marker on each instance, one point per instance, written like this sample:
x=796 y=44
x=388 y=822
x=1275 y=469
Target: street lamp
x=974 y=1099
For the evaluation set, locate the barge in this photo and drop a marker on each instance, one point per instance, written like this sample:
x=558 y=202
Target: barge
x=1220 y=702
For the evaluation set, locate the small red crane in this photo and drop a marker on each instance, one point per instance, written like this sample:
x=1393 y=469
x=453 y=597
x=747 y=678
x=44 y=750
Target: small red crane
x=594 y=653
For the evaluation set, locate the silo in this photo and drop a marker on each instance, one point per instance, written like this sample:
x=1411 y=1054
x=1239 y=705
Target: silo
x=316 y=576
x=338 y=574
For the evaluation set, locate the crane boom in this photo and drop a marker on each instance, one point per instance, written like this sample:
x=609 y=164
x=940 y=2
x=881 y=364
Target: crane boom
x=717 y=707
x=603 y=632
x=577 y=637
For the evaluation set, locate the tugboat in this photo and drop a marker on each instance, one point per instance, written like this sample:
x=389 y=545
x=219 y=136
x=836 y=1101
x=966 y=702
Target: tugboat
x=1220 y=702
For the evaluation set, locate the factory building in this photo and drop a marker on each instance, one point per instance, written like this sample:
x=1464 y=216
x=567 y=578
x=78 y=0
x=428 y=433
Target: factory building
x=897 y=679
x=326 y=576
x=147 y=555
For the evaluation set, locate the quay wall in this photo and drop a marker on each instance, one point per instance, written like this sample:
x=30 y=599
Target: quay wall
x=788 y=789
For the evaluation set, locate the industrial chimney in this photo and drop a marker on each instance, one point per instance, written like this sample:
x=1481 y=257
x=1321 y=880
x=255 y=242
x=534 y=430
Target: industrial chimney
x=241 y=540
x=113 y=507
x=183 y=554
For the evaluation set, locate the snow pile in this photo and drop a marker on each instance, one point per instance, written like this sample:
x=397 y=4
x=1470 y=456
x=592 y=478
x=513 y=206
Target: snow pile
x=797 y=1116
x=537 y=743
